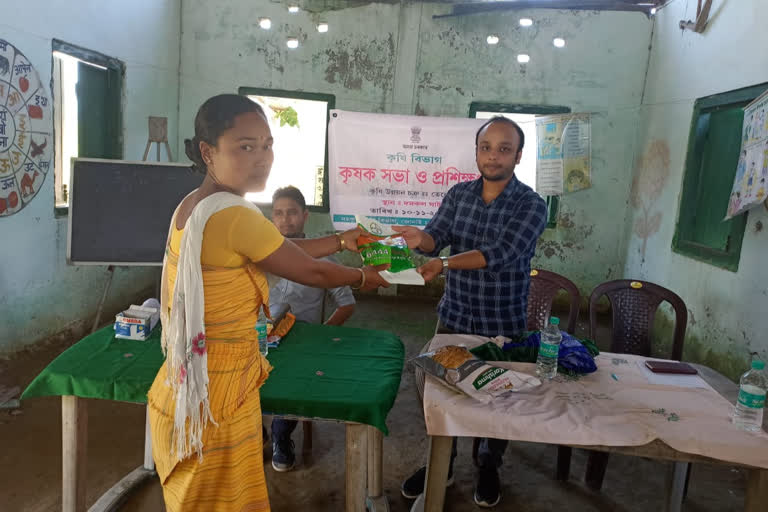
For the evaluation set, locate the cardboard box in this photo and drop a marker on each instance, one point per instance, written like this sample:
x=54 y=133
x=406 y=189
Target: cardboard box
x=136 y=322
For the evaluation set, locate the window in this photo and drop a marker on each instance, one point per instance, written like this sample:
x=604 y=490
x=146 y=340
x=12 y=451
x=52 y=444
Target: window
x=299 y=123
x=525 y=116
x=713 y=154
x=87 y=110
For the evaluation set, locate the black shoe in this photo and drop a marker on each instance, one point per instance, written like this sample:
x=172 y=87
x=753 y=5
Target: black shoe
x=414 y=484
x=283 y=457
x=487 y=492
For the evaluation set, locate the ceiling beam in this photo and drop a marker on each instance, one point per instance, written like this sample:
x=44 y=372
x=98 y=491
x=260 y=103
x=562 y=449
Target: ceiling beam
x=574 y=5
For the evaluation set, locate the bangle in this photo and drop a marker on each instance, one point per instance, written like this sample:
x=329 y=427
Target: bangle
x=362 y=280
x=342 y=242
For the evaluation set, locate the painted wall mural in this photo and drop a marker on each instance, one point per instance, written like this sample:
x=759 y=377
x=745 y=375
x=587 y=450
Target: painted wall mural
x=651 y=174
x=26 y=141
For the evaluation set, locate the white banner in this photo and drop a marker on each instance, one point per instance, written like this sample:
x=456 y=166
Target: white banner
x=396 y=169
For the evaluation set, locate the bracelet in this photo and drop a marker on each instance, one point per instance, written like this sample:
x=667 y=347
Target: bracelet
x=342 y=242
x=362 y=282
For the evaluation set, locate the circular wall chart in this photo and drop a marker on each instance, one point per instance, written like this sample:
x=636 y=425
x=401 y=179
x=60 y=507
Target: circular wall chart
x=26 y=141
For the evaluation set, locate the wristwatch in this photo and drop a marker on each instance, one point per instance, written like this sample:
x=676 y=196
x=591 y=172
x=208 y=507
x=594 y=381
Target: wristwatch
x=444 y=259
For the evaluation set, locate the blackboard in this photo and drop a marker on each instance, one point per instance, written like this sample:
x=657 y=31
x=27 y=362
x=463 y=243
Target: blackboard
x=120 y=211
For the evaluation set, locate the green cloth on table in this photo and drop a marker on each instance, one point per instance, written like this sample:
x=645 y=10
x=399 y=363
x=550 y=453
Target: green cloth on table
x=102 y=366
x=353 y=373
x=360 y=372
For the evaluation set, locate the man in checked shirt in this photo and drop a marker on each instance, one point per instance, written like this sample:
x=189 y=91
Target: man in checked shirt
x=491 y=225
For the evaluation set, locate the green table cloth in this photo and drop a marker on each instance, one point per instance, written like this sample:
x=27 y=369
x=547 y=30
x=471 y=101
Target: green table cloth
x=336 y=373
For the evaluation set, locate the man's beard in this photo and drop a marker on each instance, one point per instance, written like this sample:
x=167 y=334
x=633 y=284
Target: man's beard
x=501 y=176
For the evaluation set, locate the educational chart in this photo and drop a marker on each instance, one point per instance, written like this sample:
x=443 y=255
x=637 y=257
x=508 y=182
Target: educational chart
x=749 y=186
x=26 y=141
x=563 y=162
x=396 y=169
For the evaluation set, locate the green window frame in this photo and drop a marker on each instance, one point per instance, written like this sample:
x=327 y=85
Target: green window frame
x=330 y=101
x=100 y=105
x=553 y=202
x=710 y=168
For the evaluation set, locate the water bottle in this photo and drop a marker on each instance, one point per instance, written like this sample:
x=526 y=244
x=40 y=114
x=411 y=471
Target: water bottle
x=748 y=412
x=549 y=348
x=261 y=331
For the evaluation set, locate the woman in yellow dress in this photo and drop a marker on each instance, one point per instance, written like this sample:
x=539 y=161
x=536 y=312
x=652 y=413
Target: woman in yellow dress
x=205 y=412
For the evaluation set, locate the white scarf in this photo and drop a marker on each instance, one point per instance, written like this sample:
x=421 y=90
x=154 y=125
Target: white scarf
x=183 y=336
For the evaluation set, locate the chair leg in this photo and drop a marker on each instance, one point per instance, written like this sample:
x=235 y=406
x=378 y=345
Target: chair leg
x=563 y=463
x=475 y=448
x=687 y=479
x=306 y=427
x=596 y=464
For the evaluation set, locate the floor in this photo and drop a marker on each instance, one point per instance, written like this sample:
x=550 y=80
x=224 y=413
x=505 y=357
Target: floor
x=30 y=455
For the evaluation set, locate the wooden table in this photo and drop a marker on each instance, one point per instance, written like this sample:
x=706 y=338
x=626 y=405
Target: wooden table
x=363 y=459
x=70 y=376
x=757 y=479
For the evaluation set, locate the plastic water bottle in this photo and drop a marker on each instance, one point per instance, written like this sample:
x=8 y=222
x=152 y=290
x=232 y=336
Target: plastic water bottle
x=261 y=331
x=549 y=348
x=748 y=412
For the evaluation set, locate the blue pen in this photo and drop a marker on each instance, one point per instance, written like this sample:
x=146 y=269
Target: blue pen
x=614 y=376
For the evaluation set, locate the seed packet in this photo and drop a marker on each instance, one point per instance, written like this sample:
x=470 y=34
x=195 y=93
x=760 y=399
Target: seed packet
x=379 y=246
x=460 y=370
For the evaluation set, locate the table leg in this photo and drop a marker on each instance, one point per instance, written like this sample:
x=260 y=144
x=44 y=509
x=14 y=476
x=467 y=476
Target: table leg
x=375 y=464
x=149 y=462
x=676 y=486
x=437 y=472
x=74 y=440
x=757 y=490
x=356 y=467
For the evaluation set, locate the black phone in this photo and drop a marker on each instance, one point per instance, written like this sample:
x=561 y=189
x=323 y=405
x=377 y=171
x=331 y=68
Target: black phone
x=671 y=367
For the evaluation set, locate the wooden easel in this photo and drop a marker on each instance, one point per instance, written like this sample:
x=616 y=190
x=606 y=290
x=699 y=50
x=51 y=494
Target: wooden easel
x=158 y=133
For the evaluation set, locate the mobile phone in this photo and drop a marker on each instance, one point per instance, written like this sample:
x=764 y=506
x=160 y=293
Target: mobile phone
x=671 y=367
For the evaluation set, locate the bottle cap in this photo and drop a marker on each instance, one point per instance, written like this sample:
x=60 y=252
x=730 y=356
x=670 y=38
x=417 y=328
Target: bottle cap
x=758 y=365
x=554 y=320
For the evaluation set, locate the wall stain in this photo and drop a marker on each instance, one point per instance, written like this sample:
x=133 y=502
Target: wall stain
x=352 y=62
x=707 y=344
x=758 y=226
x=651 y=174
x=572 y=238
x=426 y=82
x=267 y=49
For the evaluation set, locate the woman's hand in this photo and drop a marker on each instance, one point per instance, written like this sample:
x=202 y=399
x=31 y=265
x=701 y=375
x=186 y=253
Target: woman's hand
x=373 y=279
x=350 y=237
x=431 y=269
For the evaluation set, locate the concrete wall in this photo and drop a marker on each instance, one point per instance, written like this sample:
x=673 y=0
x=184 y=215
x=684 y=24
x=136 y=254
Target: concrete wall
x=40 y=295
x=726 y=309
x=395 y=58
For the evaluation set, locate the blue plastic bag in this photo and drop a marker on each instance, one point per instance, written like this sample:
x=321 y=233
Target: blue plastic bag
x=574 y=355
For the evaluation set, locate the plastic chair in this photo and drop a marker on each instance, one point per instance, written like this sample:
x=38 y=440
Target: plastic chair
x=633 y=307
x=545 y=286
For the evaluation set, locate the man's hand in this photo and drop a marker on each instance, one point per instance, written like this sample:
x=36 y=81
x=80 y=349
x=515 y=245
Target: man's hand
x=350 y=239
x=413 y=236
x=431 y=269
